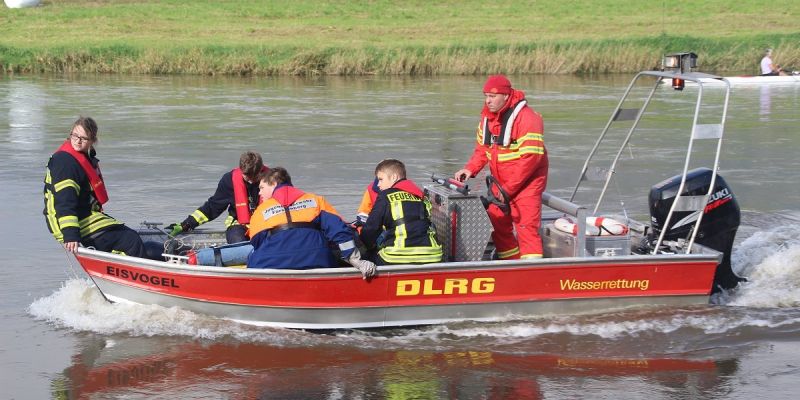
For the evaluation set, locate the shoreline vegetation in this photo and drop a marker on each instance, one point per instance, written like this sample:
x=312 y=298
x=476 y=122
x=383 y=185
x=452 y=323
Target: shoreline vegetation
x=262 y=38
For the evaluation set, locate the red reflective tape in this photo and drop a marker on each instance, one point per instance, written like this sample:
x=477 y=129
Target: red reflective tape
x=453 y=230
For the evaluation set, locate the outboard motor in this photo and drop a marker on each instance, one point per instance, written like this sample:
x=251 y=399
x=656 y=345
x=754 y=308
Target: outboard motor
x=717 y=230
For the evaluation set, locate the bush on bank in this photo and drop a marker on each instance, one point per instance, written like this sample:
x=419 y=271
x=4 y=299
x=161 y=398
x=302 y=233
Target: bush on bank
x=580 y=57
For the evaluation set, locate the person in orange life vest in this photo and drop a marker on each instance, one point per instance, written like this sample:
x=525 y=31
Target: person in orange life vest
x=398 y=227
x=74 y=195
x=237 y=192
x=293 y=229
x=367 y=200
x=510 y=140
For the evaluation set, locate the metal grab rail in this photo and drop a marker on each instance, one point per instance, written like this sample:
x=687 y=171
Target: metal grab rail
x=698 y=132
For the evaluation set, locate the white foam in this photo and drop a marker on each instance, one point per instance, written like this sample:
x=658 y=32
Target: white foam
x=79 y=305
x=771 y=262
x=708 y=322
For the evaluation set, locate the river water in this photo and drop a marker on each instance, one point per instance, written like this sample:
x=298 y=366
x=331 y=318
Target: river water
x=165 y=141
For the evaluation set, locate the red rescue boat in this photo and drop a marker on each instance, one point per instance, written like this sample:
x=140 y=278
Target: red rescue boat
x=678 y=259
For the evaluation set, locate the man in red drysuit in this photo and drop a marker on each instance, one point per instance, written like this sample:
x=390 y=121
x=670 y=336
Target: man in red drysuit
x=510 y=139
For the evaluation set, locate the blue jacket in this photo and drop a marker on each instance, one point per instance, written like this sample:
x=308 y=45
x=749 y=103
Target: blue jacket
x=296 y=230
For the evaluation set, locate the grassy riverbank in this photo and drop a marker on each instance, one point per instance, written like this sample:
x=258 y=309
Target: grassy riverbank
x=250 y=37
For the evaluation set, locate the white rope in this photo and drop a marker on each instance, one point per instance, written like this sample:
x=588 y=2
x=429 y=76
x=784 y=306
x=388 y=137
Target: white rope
x=72 y=269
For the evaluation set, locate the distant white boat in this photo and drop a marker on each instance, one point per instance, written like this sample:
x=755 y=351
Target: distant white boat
x=763 y=80
x=750 y=80
x=21 y=3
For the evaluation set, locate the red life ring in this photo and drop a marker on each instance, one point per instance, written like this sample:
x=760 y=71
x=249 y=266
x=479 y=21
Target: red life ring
x=595 y=226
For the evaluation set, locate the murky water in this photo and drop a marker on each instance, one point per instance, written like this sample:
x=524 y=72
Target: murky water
x=165 y=141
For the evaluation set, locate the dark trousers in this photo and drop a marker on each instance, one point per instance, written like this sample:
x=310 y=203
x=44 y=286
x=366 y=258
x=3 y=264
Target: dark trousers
x=117 y=239
x=235 y=234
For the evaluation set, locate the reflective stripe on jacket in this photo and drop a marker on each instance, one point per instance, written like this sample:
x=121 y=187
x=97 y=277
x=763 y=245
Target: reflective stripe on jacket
x=71 y=208
x=512 y=143
x=223 y=199
x=404 y=215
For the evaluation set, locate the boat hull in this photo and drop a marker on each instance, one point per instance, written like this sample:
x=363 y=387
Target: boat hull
x=406 y=295
x=21 y=3
x=753 y=80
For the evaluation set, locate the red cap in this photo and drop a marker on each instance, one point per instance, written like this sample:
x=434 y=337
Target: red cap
x=497 y=84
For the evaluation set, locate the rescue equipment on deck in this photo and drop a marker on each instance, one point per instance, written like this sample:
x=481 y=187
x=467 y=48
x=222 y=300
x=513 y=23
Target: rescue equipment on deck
x=460 y=220
x=451 y=183
x=234 y=254
x=595 y=226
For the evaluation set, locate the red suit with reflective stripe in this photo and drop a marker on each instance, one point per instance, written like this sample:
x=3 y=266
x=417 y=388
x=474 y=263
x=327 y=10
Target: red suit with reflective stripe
x=511 y=142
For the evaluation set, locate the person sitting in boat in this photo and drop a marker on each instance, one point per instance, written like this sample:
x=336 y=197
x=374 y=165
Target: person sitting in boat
x=237 y=192
x=768 y=68
x=367 y=201
x=74 y=195
x=510 y=139
x=398 y=229
x=293 y=229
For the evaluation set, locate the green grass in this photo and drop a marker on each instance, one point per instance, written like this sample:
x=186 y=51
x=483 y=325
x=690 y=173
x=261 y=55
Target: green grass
x=249 y=37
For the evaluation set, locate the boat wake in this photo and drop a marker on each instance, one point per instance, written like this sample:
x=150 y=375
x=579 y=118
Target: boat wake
x=769 y=259
x=79 y=305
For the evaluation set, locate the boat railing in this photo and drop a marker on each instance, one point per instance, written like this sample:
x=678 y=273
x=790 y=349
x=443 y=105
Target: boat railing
x=570 y=208
x=699 y=131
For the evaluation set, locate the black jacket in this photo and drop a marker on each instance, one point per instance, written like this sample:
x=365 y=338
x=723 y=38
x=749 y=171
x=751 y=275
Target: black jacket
x=70 y=207
x=220 y=201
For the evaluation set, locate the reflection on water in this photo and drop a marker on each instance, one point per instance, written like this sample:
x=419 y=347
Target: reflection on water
x=146 y=350
x=26 y=115
x=112 y=366
x=765 y=102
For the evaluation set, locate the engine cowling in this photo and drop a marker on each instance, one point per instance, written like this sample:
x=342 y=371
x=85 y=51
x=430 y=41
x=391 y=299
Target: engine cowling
x=721 y=218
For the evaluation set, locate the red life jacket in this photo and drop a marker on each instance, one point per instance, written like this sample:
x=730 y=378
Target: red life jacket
x=409 y=187
x=286 y=195
x=240 y=196
x=95 y=177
